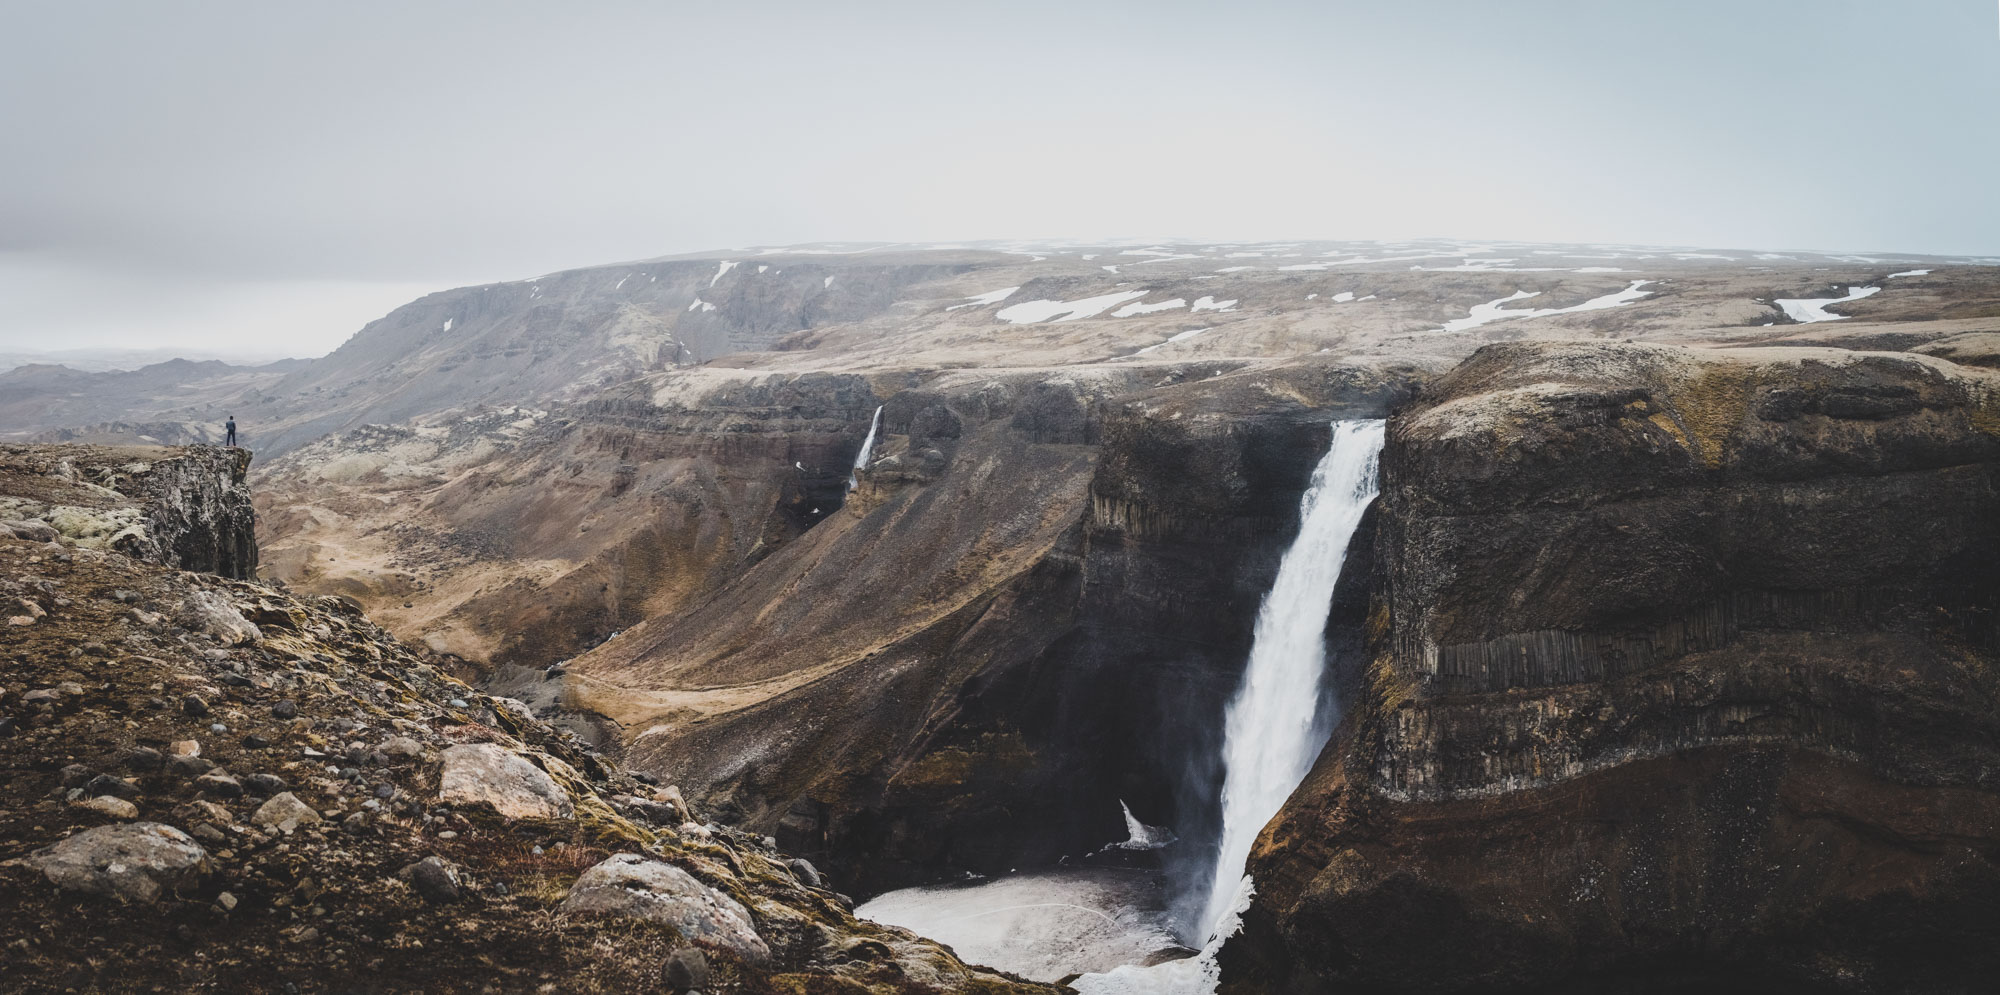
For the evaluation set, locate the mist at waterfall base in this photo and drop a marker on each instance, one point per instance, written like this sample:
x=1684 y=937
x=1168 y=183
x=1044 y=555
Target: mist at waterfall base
x=1126 y=930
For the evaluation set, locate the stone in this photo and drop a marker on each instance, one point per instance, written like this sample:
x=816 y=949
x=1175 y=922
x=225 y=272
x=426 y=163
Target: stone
x=145 y=758
x=402 y=748
x=435 y=880
x=219 y=784
x=284 y=810
x=492 y=775
x=265 y=784
x=256 y=741
x=807 y=874
x=75 y=776
x=111 y=805
x=185 y=748
x=226 y=902
x=189 y=766
x=636 y=887
x=136 y=862
x=208 y=834
x=211 y=613
x=194 y=705
x=286 y=709
x=684 y=970
x=32 y=531
x=117 y=787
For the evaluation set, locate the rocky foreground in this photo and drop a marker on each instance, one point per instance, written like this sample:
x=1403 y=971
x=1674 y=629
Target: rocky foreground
x=1683 y=675
x=211 y=784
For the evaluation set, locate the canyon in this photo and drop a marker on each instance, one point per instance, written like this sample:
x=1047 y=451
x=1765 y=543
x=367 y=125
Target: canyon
x=1664 y=658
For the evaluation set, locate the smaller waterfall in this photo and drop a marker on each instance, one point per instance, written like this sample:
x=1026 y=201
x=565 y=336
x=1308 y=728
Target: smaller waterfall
x=867 y=446
x=1273 y=730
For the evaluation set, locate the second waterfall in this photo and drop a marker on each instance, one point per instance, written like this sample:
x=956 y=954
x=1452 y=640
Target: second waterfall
x=1276 y=723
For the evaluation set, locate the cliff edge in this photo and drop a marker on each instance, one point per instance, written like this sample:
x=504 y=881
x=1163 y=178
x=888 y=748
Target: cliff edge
x=1684 y=673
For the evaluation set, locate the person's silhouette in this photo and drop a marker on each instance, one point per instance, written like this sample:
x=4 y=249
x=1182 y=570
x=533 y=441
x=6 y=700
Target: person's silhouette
x=229 y=432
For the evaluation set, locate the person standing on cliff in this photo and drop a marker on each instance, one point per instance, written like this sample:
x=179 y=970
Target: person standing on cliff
x=229 y=432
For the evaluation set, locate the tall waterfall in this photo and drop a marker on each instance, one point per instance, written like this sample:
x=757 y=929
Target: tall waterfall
x=867 y=444
x=1273 y=729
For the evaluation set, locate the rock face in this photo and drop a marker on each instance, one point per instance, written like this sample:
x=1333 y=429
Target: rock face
x=184 y=507
x=1684 y=673
x=636 y=887
x=272 y=836
x=138 y=862
x=1041 y=586
x=492 y=775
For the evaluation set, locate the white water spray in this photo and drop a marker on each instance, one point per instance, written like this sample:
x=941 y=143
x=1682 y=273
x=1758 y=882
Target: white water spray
x=1272 y=731
x=867 y=445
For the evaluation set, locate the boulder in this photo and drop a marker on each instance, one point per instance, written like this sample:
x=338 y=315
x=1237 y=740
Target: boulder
x=111 y=805
x=136 y=862
x=492 y=775
x=685 y=970
x=213 y=614
x=638 y=887
x=284 y=810
x=32 y=531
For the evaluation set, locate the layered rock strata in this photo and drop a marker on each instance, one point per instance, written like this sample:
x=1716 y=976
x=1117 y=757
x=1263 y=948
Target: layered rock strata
x=1684 y=674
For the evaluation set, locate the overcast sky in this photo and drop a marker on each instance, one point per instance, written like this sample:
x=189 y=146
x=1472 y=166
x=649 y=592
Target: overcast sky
x=264 y=178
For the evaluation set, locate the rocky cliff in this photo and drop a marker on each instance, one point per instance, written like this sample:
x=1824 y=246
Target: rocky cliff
x=1032 y=606
x=209 y=784
x=1685 y=673
x=185 y=507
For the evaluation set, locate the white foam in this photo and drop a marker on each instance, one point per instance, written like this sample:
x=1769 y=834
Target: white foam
x=1043 y=926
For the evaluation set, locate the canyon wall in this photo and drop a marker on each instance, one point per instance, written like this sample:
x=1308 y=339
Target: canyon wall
x=1033 y=606
x=185 y=507
x=1683 y=673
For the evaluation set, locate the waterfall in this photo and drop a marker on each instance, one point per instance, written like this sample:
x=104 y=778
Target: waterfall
x=1273 y=730
x=867 y=444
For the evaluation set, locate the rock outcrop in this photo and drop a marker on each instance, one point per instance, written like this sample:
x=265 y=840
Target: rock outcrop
x=1685 y=673
x=184 y=507
x=196 y=806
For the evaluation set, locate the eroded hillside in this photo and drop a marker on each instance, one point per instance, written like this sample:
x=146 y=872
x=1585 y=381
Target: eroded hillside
x=213 y=784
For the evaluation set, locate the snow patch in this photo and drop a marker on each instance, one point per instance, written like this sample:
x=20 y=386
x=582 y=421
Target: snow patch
x=1910 y=272
x=990 y=297
x=1030 y=312
x=1492 y=311
x=1211 y=304
x=720 y=270
x=1135 y=308
x=1809 y=311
